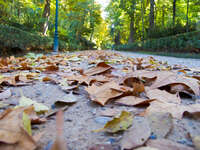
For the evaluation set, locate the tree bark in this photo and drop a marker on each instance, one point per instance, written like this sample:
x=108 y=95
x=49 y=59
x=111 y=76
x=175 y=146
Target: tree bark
x=174 y=12
x=117 y=38
x=151 y=15
x=131 y=36
x=46 y=16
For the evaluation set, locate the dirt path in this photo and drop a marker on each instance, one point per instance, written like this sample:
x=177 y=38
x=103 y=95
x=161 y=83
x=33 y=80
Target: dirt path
x=192 y=63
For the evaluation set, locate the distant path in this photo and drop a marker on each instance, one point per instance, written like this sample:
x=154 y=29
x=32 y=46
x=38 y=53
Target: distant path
x=189 y=62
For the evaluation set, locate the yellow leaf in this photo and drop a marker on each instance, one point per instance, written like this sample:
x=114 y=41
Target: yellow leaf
x=27 y=124
x=39 y=107
x=121 y=123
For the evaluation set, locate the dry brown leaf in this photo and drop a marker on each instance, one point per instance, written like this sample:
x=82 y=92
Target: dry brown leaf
x=100 y=68
x=5 y=94
x=30 y=111
x=52 y=68
x=82 y=79
x=137 y=135
x=25 y=66
x=12 y=133
x=175 y=109
x=133 y=101
x=21 y=78
x=46 y=79
x=163 y=144
x=136 y=84
x=178 y=79
x=8 y=80
x=88 y=80
x=146 y=148
x=160 y=123
x=104 y=93
x=163 y=96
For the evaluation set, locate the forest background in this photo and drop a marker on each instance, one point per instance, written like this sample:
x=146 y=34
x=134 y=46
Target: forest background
x=135 y=25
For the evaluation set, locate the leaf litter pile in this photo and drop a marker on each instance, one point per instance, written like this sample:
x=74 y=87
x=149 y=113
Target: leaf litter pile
x=103 y=100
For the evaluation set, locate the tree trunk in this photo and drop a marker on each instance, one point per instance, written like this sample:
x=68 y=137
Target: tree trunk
x=131 y=36
x=46 y=16
x=174 y=12
x=151 y=15
x=187 y=25
x=117 y=38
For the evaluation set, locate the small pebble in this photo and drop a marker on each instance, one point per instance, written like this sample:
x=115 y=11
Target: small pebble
x=102 y=120
x=153 y=136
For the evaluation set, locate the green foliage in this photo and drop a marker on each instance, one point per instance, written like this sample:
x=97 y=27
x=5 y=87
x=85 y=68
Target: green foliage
x=120 y=13
x=187 y=42
x=12 y=38
x=78 y=20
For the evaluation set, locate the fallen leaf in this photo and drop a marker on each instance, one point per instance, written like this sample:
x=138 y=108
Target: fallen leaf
x=174 y=109
x=146 y=148
x=133 y=101
x=163 y=96
x=52 y=68
x=178 y=79
x=35 y=119
x=82 y=79
x=65 y=86
x=121 y=123
x=137 y=135
x=136 y=84
x=39 y=107
x=196 y=141
x=100 y=68
x=53 y=112
x=22 y=78
x=12 y=134
x=8 y=80
x=67 y=100
x=46 y=79
x=27 y=123
x=161 y=123
x=5 y=94
x=164 y=144
x=104 y=93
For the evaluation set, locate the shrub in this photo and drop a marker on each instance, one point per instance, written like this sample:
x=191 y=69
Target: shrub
x=14 y=38
x=187 y=42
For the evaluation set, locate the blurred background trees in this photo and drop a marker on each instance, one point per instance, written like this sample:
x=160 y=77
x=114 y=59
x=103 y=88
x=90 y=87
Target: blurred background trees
x=81 y=25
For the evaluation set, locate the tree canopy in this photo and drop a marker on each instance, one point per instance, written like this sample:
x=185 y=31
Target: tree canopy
x=82 y=26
